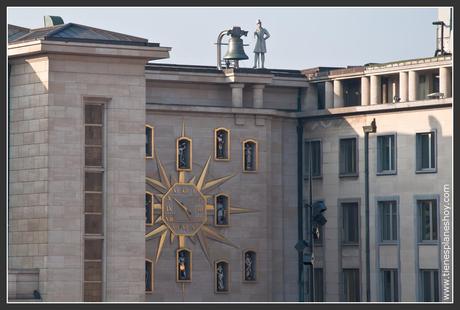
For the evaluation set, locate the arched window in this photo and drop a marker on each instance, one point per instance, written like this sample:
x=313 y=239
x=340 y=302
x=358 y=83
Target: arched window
x=183 y=265
x=184 y=154
x=148 y=275
x=149 y=133
x=221 y=208
x=221 y=144
x=221 y=276
x=250 y=155
x=148 y=208
x=250 y=266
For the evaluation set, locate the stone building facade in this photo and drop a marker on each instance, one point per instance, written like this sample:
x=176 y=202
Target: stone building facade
x=81 y=103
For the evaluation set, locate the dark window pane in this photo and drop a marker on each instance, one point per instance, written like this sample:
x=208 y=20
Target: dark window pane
x=319 y=294
x=93 y=249
x=93 y=135
x=93 y=156
x=93 y=181
x=93 y=292
x=148 y=209
x=351 y=285
x=93 y=224
x=350 y=222
x=93 y=202
x=93 y=114
x=148 y=276
x=321 y=95
x=348 y=156
x=428 y=220
x=93 y=271
x=148 y=142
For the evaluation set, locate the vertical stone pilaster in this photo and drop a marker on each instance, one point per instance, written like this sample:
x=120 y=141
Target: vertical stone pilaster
x=329 y=97
x=258 y=100
x=365 y=90
x=376 y=90
x=338 y=94
x=445 y=81
x=413 y=85
x=237 y=95
x=403 y=86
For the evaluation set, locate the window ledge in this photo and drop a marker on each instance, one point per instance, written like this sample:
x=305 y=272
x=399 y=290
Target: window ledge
x=393 y=242
x=350 y=243
x=319 y=177
x=389 y=172
x=428 y=242
x=434 y=170
x=348 y=175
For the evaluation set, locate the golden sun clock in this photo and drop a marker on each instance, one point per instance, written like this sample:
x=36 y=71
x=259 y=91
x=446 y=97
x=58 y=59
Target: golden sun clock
x=182 y=206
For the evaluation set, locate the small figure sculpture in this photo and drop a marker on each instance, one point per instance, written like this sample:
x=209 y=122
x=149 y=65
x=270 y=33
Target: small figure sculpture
x=220 y=145
x=182 y=267
x=220 y=278
x=147 y=278
x=248 y=267
x=182 y=149
x=260 y=49
x=248 y=156
x=220 y=212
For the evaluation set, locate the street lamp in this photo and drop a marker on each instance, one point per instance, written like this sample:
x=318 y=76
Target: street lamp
x=372 y=128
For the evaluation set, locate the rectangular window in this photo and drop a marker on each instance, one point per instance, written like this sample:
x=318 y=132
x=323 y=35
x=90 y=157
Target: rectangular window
x=350 y=223
x=429 y=285
x=351 y=287
x=315 y=148
x=348 y=157
x=386 y=154
x=388 y=221
x=426 y=151
x=148 y=141
x=93 y=193
x=428 y=219
x=148 y=208
x=319 y=284
x=390 y=287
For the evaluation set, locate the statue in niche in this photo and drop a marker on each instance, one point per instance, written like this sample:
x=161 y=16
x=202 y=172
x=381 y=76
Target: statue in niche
x=182 y=154
x=182 y=266
x=220 y=145
x=248 y=156
x=221 y=220
x=248 y=271
x=220 y=278
x=148 y=278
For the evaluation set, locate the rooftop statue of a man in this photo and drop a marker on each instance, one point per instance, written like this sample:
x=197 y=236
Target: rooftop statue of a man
x=261 y=34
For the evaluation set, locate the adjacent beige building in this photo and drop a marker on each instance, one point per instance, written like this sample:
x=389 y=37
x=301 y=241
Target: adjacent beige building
x=91 y=116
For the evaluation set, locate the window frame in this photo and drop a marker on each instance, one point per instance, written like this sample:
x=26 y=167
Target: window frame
x=341 y=222
x=379 y=225
x=421 y=292
x=379 y=156
x=151 y=276
x=151 y=209
x=343 y=284
x=419 y=220
x=356 y=173
x=418 y=168
x=305 y=164
x=152 y=139
x=395 y=273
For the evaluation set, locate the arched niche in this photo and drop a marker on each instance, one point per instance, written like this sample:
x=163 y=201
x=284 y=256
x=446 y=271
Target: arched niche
x=183 y=265
x=249 y=265
x=250 y=155
x=221 y=210
x=222 y=144
x=221 y=276
x=184 y=154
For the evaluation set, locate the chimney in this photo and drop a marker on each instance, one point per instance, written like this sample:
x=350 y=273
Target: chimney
x=51 y=21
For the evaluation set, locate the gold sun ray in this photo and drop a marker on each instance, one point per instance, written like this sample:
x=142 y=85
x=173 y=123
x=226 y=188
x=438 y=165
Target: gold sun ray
x=212 y=234
x=202 y=176
x=192 y=180
x=161 y=171
x=209 y=208
x=181 y=176
x=158 y=220
x=157 y=206
x=216 y=182
x=156 y=231
x=156 y=184
x=171 y=240
x=235 y=210
x=161 y=244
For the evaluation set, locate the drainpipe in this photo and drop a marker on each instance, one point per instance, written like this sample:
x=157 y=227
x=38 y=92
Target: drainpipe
x=367 y=129
x=300 y=206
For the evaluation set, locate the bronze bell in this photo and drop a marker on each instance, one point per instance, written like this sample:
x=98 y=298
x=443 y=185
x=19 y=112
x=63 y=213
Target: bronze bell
x=235 y=45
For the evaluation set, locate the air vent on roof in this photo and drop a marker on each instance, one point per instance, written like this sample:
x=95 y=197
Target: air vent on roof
x=51 y=21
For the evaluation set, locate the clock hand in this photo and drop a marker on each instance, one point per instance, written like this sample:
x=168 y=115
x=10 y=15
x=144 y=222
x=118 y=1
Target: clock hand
x=187 y=211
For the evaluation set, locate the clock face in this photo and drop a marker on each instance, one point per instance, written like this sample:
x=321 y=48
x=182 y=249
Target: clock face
x=183 y=209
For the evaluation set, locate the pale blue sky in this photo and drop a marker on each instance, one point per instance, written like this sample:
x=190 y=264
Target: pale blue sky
x=300 y=37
